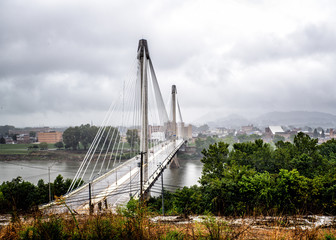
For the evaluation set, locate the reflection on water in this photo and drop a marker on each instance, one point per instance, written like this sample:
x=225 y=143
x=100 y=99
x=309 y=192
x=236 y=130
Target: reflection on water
x=33 y=170
x=187 y=174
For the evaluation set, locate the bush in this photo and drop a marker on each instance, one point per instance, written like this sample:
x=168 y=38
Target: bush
x=43 y=146
x=51 y=229
x=59 y=145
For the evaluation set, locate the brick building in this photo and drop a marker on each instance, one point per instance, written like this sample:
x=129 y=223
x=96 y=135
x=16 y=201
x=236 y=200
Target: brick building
x=50 y=137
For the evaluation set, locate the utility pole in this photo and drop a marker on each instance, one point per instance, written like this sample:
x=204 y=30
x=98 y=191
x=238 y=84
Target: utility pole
x=162 y=191
x=141 y=177
x=49 y=167
x=49 y=185
x=90 y=203
x=130 y=193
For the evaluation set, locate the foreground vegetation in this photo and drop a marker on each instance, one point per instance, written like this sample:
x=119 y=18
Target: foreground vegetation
x=253 y=178
x=136 y=222
x=21 y=196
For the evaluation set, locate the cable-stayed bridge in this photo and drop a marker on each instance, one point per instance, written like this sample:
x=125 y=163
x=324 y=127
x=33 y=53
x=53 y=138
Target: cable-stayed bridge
x=137 y=139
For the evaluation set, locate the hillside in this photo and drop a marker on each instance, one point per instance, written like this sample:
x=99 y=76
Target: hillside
x=293 y=118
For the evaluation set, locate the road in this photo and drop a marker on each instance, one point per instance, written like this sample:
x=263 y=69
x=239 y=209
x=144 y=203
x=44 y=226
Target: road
x=115 y=187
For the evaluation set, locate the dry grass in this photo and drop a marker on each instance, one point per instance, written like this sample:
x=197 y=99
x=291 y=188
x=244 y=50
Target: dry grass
x=137 y=225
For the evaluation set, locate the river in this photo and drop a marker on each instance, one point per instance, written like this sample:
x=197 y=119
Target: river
x=186 y=175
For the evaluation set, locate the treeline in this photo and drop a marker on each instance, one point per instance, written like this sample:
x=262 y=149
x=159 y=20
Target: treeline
x=85 y=134
x=19 y=195
x=254 y=178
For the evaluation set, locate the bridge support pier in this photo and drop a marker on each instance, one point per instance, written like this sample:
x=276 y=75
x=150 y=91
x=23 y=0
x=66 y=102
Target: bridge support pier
x=174 y=163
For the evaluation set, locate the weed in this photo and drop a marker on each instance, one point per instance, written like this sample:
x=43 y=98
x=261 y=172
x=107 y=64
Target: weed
x=174 y=235
x=51 y=229
x=329 y=236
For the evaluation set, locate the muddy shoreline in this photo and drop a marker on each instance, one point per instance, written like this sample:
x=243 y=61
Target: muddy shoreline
x=44 y=155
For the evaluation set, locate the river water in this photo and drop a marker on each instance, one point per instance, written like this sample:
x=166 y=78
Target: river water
x=186 y=175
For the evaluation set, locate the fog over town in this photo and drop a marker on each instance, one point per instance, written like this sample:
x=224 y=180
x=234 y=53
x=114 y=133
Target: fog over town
x=63 y=62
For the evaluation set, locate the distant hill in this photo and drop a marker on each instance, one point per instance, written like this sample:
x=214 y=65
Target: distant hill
x=293 y=118
x=231 y=121
x=297 y=118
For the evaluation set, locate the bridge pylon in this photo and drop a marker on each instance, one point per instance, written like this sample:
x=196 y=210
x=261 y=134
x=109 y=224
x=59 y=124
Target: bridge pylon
x=174 y=163
x=143 y=59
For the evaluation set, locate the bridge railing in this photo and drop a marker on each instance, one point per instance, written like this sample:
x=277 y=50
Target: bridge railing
x=152 y=178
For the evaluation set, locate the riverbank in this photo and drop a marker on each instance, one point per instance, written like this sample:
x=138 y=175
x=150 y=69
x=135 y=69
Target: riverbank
x=45 y=155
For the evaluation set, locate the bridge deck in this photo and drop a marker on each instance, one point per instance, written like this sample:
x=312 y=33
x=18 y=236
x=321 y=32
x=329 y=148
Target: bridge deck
x=115 y=187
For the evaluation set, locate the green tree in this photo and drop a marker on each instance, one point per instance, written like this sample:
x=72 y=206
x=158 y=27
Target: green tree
x=109 y=136
x=19 y=194
x=258 y=190
x=213 y=161
x=203 y=144
x=59 y=145
x=304 y=144
x=292 y=191
x=255 y=154
x=282 y=156
x=42 y=191
x=328 y=149
x=189 y=200
x=71 y=137
x=44 y=146
x=248 y=138
x=87 y=134
x=60 y=187
x=2 y=140
x=14 y=137
x=132 y=137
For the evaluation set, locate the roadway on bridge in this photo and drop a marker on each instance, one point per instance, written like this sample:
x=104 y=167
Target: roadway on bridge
x=120 y=183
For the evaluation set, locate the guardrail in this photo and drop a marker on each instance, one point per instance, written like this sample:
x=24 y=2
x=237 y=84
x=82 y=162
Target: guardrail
x=105 y=175
x=157 y=173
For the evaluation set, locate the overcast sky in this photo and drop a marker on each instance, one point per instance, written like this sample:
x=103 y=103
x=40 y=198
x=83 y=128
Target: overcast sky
x=62 y=62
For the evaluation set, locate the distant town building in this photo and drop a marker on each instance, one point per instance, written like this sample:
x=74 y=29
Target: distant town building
x=9 y=140
x=221 y=132
x=49 y=137
x=23 y=138
x=273 y=130
x=28 y=130
x=189 y=131
x=247 y=129
x=184 y=131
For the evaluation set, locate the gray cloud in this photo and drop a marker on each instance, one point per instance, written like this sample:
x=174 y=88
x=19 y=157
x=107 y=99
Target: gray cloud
x=63 y=62
x=310 y=41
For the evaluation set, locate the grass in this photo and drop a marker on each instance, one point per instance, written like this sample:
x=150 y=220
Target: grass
x=135 y=223
x=14 y=148
x=21 y=149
